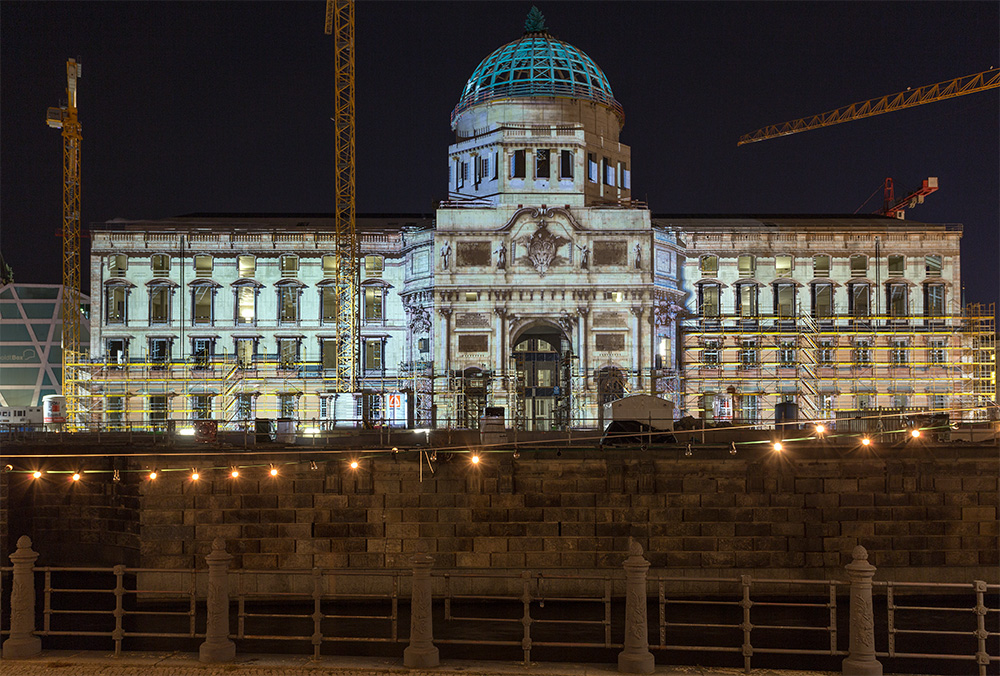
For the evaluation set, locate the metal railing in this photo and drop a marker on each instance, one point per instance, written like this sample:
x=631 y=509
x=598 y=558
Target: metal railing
x=744 y=616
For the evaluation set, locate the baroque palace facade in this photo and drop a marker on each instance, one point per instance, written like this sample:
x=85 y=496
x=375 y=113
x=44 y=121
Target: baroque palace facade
x=539 y=286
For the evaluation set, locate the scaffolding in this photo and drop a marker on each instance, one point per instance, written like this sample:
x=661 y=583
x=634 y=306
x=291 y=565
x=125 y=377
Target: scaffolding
x=741 y=368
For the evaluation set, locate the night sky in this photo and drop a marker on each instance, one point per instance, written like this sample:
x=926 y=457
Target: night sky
x=225 y=107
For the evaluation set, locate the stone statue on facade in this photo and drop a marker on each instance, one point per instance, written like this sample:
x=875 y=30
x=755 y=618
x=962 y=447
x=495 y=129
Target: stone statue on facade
x=502 y=257
x=638 y=257
x=445 y=255
x=584 y=257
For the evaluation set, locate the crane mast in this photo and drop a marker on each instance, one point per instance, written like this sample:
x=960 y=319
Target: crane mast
x=340 y=24
x=969 y=84
x=66 y=118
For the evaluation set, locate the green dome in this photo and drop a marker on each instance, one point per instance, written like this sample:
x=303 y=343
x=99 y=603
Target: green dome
x=538 y=65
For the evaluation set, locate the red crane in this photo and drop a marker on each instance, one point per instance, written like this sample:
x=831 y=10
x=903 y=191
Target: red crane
x=896 y=207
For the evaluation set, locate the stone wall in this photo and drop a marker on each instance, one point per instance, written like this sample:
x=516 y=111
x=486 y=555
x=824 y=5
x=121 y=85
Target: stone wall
x=927 y=514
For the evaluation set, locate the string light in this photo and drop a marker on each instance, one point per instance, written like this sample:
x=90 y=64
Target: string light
x=915 y=433
x=152 y=475
x=312 y=465
x=475 y=459
x=235 y=473
x=688 y=451
x=778 y=447
x=195 y=476
x=732 y=448
x=36 y=474
x=274 y=471
x=76 y=476
x=517 y=454
x=866 y=441
x=354 y=464
x=820 y=429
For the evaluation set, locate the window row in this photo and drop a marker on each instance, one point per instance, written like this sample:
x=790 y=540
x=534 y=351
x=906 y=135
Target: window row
x=246 y=264
x=786 y=301
x=748 y=406
x=784 y=264
x=901 y=352
x=245 y=306
x=204 y=350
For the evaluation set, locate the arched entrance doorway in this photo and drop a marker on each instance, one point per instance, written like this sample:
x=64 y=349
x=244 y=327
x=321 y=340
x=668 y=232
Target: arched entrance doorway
x=472 y=385
x=542 y=360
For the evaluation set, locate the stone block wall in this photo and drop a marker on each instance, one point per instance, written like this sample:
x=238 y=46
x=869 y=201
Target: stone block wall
x=923 y=516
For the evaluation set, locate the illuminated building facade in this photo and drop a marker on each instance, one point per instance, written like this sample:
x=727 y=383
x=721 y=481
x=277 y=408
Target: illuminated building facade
x=540 y=286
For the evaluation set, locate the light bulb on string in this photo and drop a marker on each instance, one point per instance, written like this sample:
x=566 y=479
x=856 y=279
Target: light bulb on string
x=274 y=471
x=778 y=447
x=475 y=459
x=915 y=433
x=866 y=441
x=354 y=464
x=195 y=475
x=235 y=473
x=152 y=475
x=76 y=476
x=36 y=474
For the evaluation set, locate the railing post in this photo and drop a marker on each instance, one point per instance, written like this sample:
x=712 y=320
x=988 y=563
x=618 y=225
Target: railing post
x=217 y=646
x=22 y=642
x=421 y=653
x=861 y=658
x=636 y=658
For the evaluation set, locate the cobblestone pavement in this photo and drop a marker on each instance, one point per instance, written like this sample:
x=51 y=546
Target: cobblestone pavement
x=94 y=663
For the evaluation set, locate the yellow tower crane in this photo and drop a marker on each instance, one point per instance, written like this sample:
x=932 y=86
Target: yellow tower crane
x=969 y=84
x=340 y=24
x=65 y=118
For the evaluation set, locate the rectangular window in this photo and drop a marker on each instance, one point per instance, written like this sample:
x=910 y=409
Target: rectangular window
x=710 y=353
x=373 y=354
x=624 y=176
x=517 y=162
x=897 y=266
x=821 y=266
x=117 y=265
x=328 y=299
x=782 y=266
x=746 y=296
x=114 y=301
x=938 y=402
x=863 y=401
x=286 y=405
x=747 y=266
x=329 y=266
x=709 y=305
x=900 y=401
x=159 y=351
x=566 y=164
x=158 y=410
x=862 y=352
x=245 y=349
x=288 y=352
x=822 y=300
x=608 y=171
x=859 y=265
x=749 y=357
x=825 y=352
x=471 y=296
x=542 y=169
x=936 y=351
x=246 y=305
x=825 y=404
x=709 y=265
x=160 y=264
x=591 y=168
x=202 y=350
x=246 y=266
x=896 y=300
x=373 y=304
x=859 y=297
x=201 y=407
x=786 y=353
x=328 y=353
x=458 y=175
x=784 y=300
x=750 y=409
x=932 y=266
x=203 y=265
x=898 y=354
x=288 y=305
x=244 y=407
x=116 y=411
x=496 y=166
x=159 y=305
x=934 y=300
x=374 y=266
x=201 y=305
x=289 y=266
x=117 y=351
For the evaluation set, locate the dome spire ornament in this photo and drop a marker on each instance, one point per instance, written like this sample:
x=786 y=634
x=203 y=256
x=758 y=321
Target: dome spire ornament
x=535 y=23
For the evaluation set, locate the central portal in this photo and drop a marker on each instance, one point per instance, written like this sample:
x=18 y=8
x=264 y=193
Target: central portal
x=542 y=360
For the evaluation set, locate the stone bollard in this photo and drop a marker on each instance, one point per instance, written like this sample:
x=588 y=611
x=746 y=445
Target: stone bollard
x=636 y=658
x=22 y=642
x=861 y=658
x=217 y=646
x=421 y=653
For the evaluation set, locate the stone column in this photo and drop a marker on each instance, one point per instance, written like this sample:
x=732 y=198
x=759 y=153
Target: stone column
x=22 y=642
x=584 y=356
x=637 y=311
x=421 y=653
x=861 y=659
x=217 y=646
x=636 y=658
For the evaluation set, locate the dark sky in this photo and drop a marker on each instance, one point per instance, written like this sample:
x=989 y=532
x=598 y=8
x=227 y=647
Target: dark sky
x=226 y=106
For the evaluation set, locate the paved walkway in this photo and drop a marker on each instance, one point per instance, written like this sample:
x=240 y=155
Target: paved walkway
x=95 y=663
